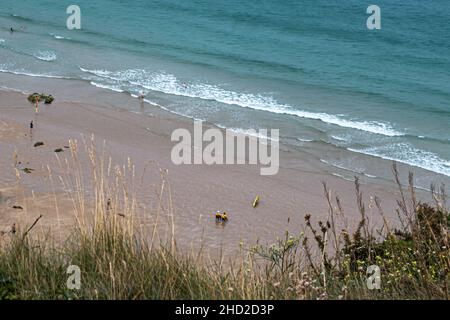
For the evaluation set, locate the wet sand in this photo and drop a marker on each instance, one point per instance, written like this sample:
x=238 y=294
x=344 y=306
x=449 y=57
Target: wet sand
x=197 y=191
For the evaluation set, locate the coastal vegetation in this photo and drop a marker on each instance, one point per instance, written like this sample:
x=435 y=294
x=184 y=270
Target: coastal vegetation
x=122 y=258
x=47 y=98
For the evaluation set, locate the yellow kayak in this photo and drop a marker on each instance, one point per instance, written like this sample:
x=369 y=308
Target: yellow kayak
x=256 y=201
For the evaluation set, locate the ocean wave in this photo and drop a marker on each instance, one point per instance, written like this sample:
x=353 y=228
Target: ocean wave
x=6 y=88
x=169 y=84
x=18 y=17
x=45 y=56
x=442 y=140
x=250 y=132
x=354 y=170
x=338 y=138
x=167 y=109
x=406 y=153
x=2 y=40
x=58 y=37
x=103 y=86
x=4 y=68
x=342 y=177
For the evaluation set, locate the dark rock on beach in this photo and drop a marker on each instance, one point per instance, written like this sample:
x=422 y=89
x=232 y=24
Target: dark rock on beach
x=48 y=99
x=27 y=170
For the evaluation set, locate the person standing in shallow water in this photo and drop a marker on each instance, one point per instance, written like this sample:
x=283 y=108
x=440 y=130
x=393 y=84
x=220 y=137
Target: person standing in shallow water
x=141 y=100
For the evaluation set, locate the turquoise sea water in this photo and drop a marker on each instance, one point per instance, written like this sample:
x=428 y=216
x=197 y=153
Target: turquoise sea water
x=310 y=68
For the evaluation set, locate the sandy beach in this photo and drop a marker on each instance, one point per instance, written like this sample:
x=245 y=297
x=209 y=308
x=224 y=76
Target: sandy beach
x=197 y=191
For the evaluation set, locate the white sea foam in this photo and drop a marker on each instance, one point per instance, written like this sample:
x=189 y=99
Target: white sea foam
x=354 y=170
x=249 y=132
x=12 y=89
x=304 y=140
x=338 y=138
x=406 y=153
x=341 y=176
x=45 y=55
x=340 y=166
x=168 y=110
x=104 y=86
x=169 y=84
x=4 y=68
x=58 y=37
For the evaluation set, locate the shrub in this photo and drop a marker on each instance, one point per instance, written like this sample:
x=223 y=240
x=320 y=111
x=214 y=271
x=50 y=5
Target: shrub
x=40 y=97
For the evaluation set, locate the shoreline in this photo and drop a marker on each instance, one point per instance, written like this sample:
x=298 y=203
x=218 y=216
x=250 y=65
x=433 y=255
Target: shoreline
x=143 y=134
x=363 y=164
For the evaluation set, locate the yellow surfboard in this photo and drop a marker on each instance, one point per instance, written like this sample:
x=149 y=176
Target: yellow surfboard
x=256 y=201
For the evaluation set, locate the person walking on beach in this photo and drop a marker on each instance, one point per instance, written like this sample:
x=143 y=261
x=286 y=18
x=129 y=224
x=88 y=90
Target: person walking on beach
x=37 y=105
x=31 y=130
